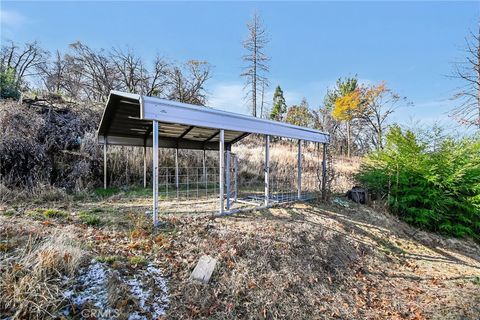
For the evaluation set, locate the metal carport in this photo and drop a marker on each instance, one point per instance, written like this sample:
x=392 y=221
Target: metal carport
x=143 y=121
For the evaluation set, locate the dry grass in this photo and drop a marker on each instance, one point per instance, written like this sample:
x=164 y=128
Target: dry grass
x=283 y=160
x=323 y=262
x=31 y=279
x=317 y=261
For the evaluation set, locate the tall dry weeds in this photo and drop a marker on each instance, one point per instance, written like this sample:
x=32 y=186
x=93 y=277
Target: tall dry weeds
x=33 y=275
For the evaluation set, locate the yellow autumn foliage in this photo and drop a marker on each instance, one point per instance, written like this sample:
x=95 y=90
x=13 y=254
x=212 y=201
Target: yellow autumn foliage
x=347 y=106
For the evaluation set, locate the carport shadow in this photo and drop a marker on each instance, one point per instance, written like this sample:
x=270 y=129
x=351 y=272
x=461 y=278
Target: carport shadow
x=356 y=228
x=354 y=222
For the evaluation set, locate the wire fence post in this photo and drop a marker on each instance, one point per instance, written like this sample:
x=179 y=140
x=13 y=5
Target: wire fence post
x=221 y=169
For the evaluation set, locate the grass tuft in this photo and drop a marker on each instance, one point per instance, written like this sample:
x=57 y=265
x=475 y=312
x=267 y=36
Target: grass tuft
x=137 y=260
x=90 y=219
x=54 y=213
x=107 y=259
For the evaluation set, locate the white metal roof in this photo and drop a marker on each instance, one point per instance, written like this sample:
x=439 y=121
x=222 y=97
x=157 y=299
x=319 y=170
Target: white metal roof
x=127 y=120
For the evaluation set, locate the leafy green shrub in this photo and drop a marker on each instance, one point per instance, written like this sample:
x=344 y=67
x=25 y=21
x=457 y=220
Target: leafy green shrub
x=9 y=88
x=437 y=190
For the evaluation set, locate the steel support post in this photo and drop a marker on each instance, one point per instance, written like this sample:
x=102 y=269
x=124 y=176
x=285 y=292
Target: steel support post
x=227 y=178
x=144 y=166
x=235 y=168
x=155 y=172
x=104 y=162
x=324 y=172
x=205 y=171
x=221 y=170
x=299 y=168
x=267 y=168
x=176 y=171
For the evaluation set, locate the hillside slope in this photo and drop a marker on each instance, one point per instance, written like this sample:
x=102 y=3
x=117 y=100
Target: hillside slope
x=299 y=261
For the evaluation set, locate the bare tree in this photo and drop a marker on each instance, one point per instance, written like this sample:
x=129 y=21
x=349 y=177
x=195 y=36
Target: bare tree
x=187 y=82
x=468 y=71
x=25 y=62
x=54 y=73
x=255 y=59
x=263 y=113
x=98 y=71
x=379 y=103
x=129 y=69
x=158 y=81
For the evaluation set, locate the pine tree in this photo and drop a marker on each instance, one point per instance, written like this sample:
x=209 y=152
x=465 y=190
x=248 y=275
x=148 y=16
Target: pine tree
x=279 y=105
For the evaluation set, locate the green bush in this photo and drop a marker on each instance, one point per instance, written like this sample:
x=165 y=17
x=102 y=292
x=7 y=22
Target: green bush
x=435 y=188
x=9 y=88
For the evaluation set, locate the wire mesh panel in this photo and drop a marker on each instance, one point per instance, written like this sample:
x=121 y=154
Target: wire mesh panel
x=188 y=189
x=196 y=189
x=283 y=171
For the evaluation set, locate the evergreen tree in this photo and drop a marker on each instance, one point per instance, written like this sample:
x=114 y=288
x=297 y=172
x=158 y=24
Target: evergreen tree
x=279 y=105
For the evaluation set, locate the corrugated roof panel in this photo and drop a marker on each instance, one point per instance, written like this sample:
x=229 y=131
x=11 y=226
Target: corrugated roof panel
x=127 y=120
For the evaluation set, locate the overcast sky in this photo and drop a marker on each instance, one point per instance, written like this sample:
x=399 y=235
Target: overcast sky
x=410 y=45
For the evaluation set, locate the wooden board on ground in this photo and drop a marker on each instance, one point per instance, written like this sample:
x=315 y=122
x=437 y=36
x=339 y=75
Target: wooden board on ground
x=204 y=269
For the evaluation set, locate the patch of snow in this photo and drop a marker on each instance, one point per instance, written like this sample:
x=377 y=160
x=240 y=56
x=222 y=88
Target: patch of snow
x=91 y=287
x=159 y=298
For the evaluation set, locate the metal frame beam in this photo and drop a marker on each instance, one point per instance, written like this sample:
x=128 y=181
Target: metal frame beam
x=164 y=142
x=239 y=138
x=213 y=136
x=186 y=132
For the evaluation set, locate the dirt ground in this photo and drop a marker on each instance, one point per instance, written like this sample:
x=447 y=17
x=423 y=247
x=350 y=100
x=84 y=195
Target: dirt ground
x=301 y=261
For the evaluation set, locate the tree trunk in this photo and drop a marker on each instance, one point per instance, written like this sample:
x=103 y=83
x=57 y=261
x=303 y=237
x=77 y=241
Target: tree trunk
x=348 y=139
x=379 y=138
